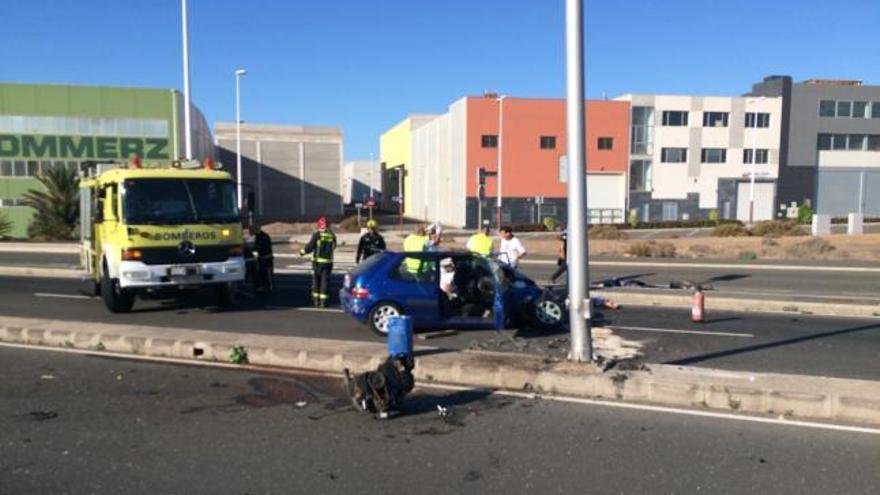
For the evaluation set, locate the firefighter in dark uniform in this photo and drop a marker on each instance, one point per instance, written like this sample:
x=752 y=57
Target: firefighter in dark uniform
x=264 y=259
x=371 y=242
x=321 y=247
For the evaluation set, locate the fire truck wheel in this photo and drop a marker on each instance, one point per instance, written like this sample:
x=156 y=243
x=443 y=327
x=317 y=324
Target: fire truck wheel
x=117 y=299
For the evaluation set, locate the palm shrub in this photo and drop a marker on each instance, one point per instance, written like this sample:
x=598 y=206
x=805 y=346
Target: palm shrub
x=5 y=224
x=56 y=205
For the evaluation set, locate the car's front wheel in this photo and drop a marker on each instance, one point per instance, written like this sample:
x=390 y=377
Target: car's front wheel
x=378 y=319
x=548 y=313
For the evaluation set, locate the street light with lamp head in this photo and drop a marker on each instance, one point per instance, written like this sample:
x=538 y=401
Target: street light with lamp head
x=238 y=74
x=498 y=166
x=754 y=158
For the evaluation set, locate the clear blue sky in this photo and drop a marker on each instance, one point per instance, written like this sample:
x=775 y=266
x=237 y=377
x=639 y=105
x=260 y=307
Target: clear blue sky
x=364 y=64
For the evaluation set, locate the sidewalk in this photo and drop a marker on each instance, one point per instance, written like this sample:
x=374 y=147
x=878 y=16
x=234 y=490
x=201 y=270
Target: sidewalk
x=787 y=396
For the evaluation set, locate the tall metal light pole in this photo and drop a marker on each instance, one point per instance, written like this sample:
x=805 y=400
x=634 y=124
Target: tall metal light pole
x=187 y=117
x=238 y=74
x=498 y=166
x=372 y=178
x=754 y=160
x=578 y=268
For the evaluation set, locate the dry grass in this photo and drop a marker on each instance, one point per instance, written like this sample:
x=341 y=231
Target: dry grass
x=608 y=232
x=730 y=230
x=864 y=247
x=778 y=228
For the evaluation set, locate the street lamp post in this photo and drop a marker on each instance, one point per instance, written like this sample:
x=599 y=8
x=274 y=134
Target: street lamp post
x=187 y=117
x=754 y=159
x=499 y=165
x=238 y=74
x=578 y=267
x=372 y=172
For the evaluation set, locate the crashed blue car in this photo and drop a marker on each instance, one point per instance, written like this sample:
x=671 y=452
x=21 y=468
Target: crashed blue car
x=475 y=293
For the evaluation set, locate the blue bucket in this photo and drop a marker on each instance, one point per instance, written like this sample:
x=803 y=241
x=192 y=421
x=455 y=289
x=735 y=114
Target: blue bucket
x=400 y=336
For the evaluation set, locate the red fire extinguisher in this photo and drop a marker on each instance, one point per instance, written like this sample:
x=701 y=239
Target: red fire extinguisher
x=698 y=306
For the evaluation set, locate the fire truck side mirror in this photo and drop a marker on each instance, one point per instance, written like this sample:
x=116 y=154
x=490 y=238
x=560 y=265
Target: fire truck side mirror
x=250 y=201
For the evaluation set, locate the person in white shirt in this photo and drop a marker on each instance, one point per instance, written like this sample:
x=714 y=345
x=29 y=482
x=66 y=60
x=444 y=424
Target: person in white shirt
x=512 y=250
x=447 y=277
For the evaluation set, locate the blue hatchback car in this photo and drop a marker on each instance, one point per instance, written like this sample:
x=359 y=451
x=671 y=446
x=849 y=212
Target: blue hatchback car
x=475 y=292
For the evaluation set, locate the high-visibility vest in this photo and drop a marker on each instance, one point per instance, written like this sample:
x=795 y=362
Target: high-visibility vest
x=480 y=243
x=323 y=252
x=414 y=243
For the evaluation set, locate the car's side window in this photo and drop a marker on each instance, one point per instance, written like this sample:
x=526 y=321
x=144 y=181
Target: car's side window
x=415 y=269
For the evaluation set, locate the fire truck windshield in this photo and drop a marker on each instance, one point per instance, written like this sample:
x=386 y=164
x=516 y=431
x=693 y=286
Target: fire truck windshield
x=179 y=201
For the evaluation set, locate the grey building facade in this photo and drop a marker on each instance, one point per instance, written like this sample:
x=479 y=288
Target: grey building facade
x=295 y=171
x=829 y=153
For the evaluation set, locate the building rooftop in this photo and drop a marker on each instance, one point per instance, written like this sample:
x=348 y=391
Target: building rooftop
x=833 y=82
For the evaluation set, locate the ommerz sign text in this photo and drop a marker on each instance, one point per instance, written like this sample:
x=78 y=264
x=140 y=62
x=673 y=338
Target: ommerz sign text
x=82 y=147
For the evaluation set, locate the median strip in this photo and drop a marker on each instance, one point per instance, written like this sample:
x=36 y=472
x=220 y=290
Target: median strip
x=690 y=332
x=778 y=395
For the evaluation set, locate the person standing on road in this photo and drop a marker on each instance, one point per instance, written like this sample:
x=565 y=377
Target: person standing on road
x=433 y=242
x=481 y=243
x=562 y=259
x=265 y=260
x=321 y=246
x=371 y=242
x=415 y=243
x=511 y=250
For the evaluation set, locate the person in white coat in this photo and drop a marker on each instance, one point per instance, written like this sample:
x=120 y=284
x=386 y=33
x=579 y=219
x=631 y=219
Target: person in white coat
x=511 y=250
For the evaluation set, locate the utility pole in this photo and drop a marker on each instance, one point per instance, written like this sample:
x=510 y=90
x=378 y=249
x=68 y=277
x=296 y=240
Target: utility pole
x=578 y=267
x=187 y=117
x=238 y=74
x=499 y=165
x=372 y=172
x=754 y=161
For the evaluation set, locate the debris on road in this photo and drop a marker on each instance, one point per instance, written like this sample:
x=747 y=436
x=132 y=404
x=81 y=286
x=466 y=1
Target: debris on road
x=441 y=333
x=382 y=391
x=42 y=415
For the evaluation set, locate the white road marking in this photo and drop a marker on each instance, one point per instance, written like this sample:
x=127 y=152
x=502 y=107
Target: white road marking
x=321 y=310
x=61 y=296
x=521 y=395
x=671 y=330
x=669 y=410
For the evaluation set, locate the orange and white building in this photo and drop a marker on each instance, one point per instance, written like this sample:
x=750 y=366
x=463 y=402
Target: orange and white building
x=527 y=138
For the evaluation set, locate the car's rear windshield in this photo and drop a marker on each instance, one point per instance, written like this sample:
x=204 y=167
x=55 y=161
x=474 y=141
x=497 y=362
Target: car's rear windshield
x=368 y=264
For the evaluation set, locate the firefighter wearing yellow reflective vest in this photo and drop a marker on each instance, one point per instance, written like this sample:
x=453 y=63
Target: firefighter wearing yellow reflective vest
x=321 y=246
x=481 y=243
x=415 y=243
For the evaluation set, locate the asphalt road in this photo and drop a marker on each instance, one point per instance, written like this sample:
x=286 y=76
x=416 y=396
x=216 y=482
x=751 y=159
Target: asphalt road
x=825 y=346
x=742 y=281
x=73 y=424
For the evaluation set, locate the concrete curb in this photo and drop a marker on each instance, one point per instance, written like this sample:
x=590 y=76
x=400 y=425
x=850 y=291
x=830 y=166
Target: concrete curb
x=822 y=398
x=29 y=271
x=39 y=247
x=721 y=303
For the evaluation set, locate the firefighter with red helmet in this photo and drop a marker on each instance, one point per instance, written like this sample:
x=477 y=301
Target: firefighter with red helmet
x=321 y=247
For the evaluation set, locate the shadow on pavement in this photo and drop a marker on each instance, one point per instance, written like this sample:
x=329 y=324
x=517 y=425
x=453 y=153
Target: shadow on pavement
x=770 y=345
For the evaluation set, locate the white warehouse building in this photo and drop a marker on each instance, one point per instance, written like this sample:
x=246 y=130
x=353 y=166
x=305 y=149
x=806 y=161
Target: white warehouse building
x=690 y=155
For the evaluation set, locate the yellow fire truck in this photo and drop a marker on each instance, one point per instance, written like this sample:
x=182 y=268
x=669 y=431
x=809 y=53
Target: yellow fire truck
x=148 y=230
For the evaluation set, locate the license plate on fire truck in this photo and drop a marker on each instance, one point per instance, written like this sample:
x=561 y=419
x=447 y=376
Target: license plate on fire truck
x=183 y=271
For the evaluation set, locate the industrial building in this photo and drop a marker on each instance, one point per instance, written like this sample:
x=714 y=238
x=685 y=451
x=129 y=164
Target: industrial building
x=442 y=156
x=830 y=145
x=361 y=180
x=395 y=152
x=690 y=155
x=47 y=125
x=295 y=171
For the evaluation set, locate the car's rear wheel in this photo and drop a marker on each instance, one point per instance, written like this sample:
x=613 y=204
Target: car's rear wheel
x=548 y=313
x=378 y=319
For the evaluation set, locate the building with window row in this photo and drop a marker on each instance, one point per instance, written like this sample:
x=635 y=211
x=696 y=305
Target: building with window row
x=447 y=152
x=44 y=126
x=830 y=145
x=690 y=155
